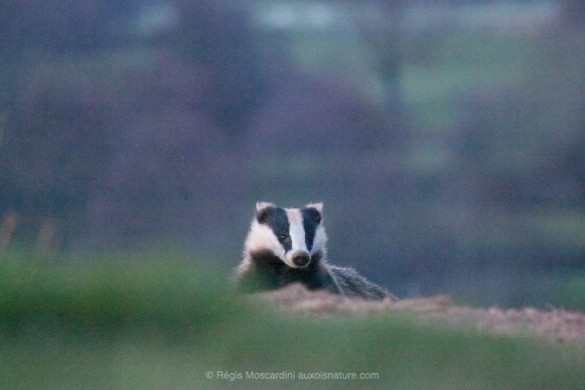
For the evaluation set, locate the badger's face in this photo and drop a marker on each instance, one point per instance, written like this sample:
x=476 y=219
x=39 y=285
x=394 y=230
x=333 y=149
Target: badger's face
x=295 y=236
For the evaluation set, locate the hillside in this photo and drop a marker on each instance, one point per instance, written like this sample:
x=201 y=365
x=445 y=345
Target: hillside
x=132 y=321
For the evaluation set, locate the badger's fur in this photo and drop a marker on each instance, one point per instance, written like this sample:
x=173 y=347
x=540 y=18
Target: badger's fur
x=287 y=246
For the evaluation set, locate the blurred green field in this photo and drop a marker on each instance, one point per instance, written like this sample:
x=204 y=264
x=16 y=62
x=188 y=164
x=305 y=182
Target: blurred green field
x=164 y=320
x=439 y=69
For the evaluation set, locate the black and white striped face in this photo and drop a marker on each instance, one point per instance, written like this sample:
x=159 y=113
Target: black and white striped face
x=295 y=236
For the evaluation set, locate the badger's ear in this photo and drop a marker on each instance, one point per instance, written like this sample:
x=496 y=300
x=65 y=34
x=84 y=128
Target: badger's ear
x=262 y=205
x=314 y=211
x=316 y=206
x=262 y=209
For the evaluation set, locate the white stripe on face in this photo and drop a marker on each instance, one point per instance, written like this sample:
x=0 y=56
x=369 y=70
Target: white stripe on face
x=319 y=241
x=296 y=230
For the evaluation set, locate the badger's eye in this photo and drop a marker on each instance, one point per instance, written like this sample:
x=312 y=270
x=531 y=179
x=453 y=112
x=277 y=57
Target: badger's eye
x=283 y=237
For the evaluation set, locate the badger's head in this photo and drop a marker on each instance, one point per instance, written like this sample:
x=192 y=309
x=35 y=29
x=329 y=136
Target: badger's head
x=294 y=236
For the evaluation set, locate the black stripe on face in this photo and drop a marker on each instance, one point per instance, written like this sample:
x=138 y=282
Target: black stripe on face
x=277 y=220
x=311 y=220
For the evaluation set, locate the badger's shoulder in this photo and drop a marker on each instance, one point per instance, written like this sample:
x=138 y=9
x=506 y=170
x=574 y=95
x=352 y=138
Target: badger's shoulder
x=263 y=272
x=354 y=285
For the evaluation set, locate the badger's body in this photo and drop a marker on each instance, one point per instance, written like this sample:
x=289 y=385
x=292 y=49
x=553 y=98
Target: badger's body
x=287 y=246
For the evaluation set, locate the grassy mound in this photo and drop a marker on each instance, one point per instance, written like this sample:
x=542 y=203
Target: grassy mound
x=168 y=321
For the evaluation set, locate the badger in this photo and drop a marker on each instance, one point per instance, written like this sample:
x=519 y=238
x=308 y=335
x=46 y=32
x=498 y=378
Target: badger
x=288 y=245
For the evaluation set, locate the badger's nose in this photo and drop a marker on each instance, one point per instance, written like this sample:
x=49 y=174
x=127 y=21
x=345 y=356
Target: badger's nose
x=301 y=259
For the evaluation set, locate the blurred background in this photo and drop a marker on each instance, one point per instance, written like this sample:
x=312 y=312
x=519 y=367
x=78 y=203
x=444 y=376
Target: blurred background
x=446 y=138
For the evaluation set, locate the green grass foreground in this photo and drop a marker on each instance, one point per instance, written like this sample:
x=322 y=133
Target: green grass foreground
x=154 y=321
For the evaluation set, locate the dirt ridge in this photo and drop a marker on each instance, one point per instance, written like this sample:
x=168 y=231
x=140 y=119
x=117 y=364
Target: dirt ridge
x=556 y=325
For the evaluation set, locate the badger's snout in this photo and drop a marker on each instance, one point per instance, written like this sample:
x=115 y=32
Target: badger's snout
x=301 y=258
